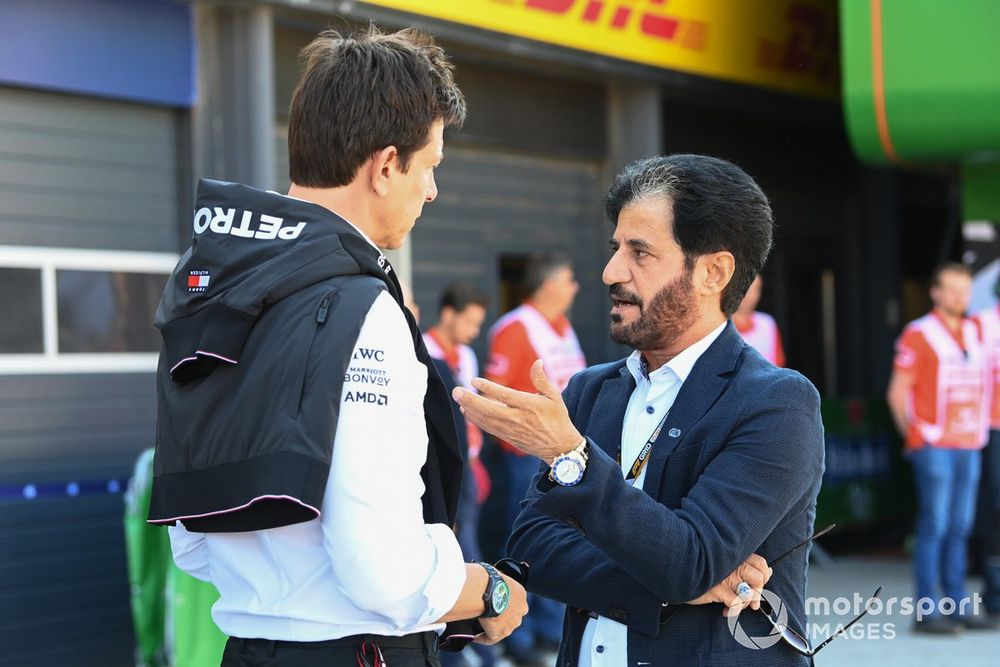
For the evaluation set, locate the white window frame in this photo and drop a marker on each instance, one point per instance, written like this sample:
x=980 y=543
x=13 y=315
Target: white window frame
x=48 y=261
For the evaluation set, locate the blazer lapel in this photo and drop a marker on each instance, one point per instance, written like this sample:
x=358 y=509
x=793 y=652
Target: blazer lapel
x=700 y=391
x=604 y=426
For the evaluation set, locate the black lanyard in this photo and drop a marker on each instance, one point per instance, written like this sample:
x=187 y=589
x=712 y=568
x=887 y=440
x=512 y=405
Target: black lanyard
x=643 y=458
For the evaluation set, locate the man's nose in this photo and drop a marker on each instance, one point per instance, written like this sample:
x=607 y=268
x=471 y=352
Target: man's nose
x=614 y=272
x=432 y=190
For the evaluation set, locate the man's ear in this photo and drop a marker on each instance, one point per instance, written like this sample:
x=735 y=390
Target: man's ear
x=446 y=314
x=381 y=167
x=714 y=271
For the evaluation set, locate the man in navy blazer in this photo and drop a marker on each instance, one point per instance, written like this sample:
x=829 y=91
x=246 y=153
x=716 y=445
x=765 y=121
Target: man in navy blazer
x=661 y=473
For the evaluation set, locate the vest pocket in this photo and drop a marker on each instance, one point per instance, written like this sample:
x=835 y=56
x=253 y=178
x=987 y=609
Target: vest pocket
x=319 y=323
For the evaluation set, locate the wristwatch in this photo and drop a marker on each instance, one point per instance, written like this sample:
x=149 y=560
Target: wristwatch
x=567 y=469
x=496 y=597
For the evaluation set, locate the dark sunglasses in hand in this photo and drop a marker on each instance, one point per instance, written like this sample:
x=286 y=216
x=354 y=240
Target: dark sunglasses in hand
x=789 y=636
x=515 y=569
x=459 y=634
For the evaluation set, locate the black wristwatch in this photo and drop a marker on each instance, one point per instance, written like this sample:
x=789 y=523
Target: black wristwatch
x=496 y=597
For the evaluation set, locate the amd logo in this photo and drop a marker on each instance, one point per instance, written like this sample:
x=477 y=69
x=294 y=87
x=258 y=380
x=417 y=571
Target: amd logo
x=222 y=222
x=366 y=397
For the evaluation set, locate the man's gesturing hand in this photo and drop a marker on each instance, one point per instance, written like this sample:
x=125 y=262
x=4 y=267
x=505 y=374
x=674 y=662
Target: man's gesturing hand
x=538 y=424
x=500 y=627
x=754 y=571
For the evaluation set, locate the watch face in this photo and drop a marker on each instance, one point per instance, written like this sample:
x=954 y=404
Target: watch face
x=501 y=597
x=567 y=471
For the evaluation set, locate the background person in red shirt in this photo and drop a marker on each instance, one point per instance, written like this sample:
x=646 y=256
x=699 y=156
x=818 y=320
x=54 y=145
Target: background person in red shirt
x=759 y=329
x=937 y=394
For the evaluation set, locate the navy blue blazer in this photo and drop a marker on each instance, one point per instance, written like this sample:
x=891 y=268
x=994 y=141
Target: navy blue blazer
x=734 y=471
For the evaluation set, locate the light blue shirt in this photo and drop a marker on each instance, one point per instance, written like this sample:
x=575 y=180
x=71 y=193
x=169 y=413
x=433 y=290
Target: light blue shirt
x=605 y=642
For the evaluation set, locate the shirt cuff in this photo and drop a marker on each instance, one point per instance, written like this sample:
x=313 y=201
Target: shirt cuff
x=448 y=579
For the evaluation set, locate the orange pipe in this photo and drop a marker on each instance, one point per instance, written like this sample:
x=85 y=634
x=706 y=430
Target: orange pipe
x=878 y=83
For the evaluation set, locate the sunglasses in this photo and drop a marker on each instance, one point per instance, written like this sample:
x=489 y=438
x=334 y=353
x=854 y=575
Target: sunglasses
x=459 y=634
x=789 y=636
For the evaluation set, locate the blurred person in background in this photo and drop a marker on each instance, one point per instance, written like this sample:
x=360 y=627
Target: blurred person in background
x=537 y=329
x=460 y=318
x=938 y=397
x=757 y=328
x=663 y=473
x=306 y=456
x=461 y=313
x=988 y=508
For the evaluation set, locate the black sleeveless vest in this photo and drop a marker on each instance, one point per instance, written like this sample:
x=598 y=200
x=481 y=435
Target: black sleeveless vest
x=259 y=320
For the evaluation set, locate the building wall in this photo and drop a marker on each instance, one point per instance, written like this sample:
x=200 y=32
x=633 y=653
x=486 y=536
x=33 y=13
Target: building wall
x=522 y=176
x=91 y=157
x=811 y=180
x=87 y=173
x=100 y=175
x=64 y=596
x=495 y=205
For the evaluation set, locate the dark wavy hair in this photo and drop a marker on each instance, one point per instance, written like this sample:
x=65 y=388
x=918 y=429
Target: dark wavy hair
x=716 y=206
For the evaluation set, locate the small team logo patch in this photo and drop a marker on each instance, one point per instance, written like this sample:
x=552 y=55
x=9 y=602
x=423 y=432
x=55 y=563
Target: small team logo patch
x=198 y=281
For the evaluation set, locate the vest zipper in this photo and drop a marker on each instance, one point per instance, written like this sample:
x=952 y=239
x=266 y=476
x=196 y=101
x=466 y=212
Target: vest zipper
x=321 y=315
x=324 y=307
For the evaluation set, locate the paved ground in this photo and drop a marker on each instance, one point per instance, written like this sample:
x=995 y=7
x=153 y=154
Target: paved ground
x=886 y=639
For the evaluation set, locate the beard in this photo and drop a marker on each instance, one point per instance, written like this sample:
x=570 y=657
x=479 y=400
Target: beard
x=672 y=311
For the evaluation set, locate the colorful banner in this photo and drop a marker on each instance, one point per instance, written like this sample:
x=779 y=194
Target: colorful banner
x=791 y=45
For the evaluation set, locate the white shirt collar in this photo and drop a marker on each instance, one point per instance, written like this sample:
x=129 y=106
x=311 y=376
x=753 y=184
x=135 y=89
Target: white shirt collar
x=680 y=366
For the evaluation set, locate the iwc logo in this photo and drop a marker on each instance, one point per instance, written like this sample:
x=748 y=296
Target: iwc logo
x=779 y=616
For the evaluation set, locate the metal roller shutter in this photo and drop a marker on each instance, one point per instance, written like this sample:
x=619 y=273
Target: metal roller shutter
x=78 y=173
x=86 y=173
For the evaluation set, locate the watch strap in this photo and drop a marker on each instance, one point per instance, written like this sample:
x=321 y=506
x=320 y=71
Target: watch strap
x=494 y=580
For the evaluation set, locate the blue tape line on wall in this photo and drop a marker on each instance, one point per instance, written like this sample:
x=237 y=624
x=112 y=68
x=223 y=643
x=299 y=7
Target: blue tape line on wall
x=70 y=489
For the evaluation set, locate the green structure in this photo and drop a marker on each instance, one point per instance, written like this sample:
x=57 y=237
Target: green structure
x=921 y=85
x=171 y=610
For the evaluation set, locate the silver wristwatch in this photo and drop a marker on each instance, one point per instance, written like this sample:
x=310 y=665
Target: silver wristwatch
x=567 y=469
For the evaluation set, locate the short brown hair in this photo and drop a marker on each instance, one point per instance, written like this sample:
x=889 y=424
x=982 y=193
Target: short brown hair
x=459 y=296
x=541 y=266
x=948 y=267
x=364 y=92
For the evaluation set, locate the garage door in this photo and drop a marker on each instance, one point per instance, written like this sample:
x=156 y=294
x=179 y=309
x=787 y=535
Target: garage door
x=97 y=183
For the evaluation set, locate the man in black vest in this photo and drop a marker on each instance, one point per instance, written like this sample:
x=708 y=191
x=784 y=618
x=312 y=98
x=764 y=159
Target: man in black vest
x=306 y=458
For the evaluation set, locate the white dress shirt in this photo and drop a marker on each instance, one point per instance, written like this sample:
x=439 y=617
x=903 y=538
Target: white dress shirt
x=369 y=563
x=605 y=642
